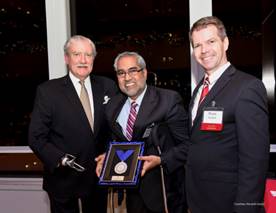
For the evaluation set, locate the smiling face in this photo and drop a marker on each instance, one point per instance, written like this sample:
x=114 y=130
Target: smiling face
x=209 y=49
x=79 y=58
x=131 y=85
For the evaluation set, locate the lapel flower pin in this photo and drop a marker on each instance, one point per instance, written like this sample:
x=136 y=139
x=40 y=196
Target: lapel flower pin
x=106 y=99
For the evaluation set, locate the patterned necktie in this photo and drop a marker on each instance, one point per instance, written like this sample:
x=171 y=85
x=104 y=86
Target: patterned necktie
x=84 y=98
x=205 y=90
x=131 y=120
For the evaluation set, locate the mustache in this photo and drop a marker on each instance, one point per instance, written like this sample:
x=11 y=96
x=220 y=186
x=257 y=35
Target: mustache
x=82 y=65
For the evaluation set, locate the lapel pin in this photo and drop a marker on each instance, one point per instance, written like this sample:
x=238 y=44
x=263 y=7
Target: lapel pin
x=106 y=99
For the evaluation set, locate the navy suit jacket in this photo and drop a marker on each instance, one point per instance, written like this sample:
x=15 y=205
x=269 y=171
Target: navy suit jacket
x=59 y=125
x=158 y=106
x=226 y=170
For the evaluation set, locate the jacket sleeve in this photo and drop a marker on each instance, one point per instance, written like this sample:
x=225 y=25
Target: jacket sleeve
x=39 y=132
x=251 y=117
x=176 y=142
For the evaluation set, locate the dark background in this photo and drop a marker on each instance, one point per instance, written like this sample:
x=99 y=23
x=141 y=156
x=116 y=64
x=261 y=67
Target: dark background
x=157 y=29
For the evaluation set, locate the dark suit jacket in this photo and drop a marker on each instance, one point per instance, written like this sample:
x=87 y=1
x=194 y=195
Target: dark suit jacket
x=59 y=125
x=158 y=106
x=226 y=170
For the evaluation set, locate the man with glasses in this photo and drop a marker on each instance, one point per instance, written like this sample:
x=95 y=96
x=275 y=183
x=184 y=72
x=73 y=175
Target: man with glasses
x=153 y=106
x=68 y=130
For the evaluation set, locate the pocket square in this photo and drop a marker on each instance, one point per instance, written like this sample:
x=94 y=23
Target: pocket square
x=106 y=99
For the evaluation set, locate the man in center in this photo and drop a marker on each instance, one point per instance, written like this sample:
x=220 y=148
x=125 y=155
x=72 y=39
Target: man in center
x=152 y=106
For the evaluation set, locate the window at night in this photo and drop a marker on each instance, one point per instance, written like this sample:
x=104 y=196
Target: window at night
x=157 y=29
x=24 y=64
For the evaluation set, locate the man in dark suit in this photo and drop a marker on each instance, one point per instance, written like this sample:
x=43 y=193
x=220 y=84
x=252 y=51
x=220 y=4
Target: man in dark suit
x=67 y=140
x=229 y=150
x=156 y=107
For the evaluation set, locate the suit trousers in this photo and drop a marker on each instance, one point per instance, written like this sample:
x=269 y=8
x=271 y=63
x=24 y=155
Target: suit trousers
x=95 y=202
x=135 y=203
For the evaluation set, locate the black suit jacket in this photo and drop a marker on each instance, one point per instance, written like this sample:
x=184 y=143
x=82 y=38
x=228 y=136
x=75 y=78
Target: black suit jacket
x=59 y=125
x=158 y=106
x=226 y=170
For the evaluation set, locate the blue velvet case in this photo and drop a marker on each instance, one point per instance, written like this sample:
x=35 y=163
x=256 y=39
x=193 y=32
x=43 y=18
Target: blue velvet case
x=121 y=166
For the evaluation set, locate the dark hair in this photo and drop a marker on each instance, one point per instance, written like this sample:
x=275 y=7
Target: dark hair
x=204 y=22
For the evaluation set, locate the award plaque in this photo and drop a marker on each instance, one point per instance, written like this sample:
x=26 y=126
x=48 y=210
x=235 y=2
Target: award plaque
x=121 y=166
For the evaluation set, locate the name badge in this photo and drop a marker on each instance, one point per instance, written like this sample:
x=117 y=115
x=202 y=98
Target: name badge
x=212 y=119
x=148 y=131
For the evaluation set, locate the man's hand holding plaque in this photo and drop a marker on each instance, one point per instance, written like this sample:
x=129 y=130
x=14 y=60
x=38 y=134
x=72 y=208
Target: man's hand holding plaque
x=150 y=162
x=100 y=162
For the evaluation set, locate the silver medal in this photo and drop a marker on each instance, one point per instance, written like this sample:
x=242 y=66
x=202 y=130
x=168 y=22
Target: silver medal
x=120 y=168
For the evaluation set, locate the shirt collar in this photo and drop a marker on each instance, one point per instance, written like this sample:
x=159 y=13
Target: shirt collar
x=76 y=81
x=215 y=75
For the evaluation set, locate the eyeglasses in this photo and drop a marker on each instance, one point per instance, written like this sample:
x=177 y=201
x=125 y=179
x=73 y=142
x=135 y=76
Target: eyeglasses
x=131 y=72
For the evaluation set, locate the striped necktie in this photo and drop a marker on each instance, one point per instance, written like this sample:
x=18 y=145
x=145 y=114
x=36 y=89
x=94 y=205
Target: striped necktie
x=205 y=90
x=131 y=120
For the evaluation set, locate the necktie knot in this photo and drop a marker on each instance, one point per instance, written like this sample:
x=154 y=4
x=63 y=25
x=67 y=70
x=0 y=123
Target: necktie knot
x=134 y=105
x=81 y=83
x=206 y=81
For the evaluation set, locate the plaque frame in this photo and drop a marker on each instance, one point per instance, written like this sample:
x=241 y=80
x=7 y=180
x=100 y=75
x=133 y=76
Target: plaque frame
x=130 y=177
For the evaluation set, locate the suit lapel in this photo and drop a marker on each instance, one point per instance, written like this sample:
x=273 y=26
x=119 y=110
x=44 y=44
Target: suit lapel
x=192 y=102
x=116 y=109
x=97 y=101
x=144 y=113
x=70 y=92
x=216 y=89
